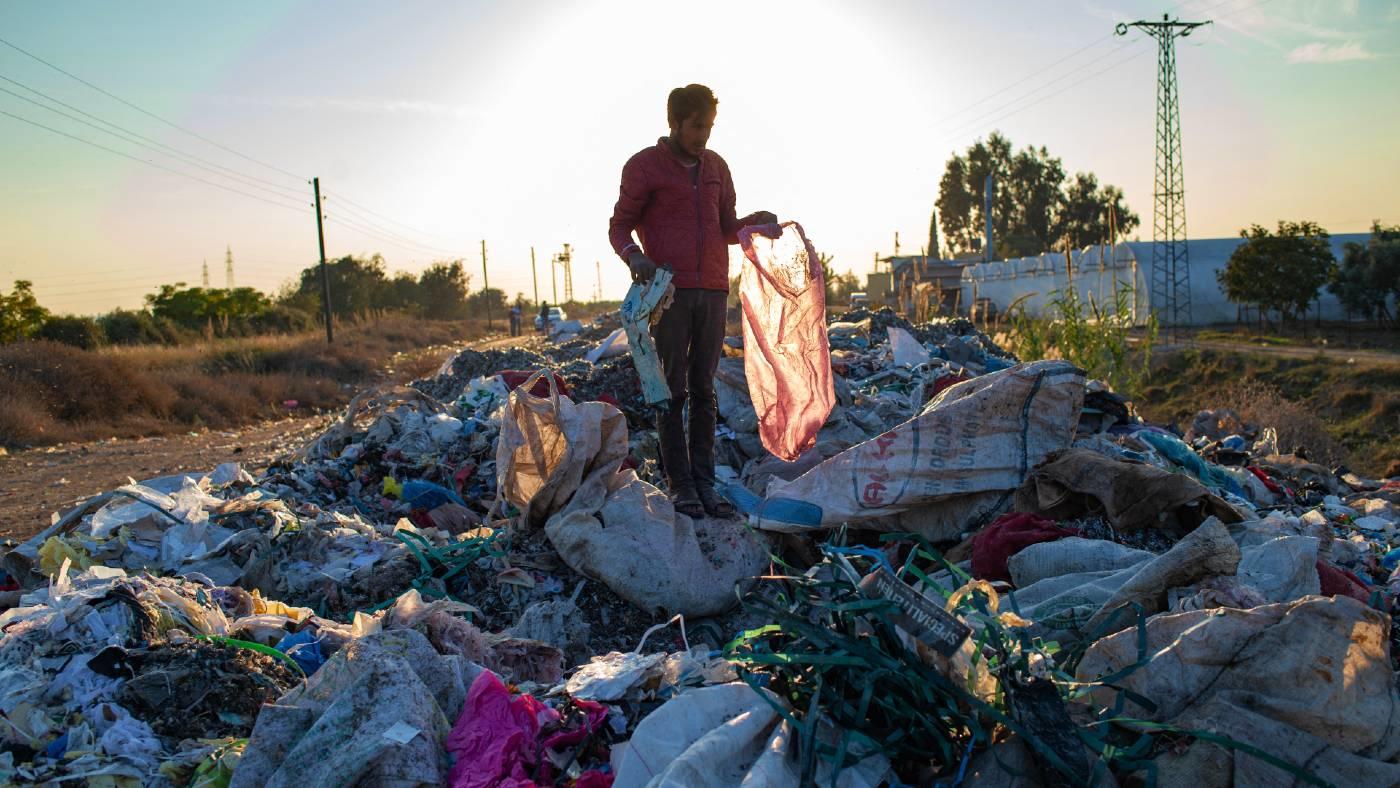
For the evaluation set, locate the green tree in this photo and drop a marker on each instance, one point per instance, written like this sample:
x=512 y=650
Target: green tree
x=405 y=292
x=20 y=313
x=1034 y=210
x=212 y=308
x=442 y=291
x=1369 y=276
x=492 y=298
x=932 y=248
x=957 y=205
x=358 y=287
x=130 y=327
x=1279 y=271
x=1083 y=217
x=80 y=332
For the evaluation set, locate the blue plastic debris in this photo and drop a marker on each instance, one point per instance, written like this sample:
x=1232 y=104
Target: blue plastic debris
x=426 y=495
x=304 y=648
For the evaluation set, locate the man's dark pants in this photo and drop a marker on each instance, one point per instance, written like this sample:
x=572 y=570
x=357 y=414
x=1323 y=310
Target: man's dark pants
x=689 y=341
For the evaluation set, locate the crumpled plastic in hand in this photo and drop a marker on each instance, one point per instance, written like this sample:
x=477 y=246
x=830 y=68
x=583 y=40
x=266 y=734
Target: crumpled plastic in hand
x=787 y=356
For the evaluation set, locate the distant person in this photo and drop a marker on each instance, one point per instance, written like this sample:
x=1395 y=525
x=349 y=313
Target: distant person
x=515 y=315
x=544 y=317
x=679 y=198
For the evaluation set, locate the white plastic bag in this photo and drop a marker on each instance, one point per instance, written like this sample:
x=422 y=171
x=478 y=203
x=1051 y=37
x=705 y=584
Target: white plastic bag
x=905 y=350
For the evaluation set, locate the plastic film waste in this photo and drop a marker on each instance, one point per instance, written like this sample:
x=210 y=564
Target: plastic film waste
x=788 y=360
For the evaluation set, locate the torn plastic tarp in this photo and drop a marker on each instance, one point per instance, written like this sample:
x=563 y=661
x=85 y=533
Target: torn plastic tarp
x=643 y=303
x=787 y=359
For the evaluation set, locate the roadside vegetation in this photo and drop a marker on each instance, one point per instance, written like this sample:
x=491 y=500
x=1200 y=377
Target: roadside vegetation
x=1339 y=413
x=55 y=393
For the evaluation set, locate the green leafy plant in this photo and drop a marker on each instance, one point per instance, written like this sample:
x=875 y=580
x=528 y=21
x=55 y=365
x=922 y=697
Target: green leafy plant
x=1098 y=338
x=834 y=656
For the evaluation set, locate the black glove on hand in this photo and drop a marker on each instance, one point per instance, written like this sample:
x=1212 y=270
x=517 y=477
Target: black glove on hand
x=643 y=269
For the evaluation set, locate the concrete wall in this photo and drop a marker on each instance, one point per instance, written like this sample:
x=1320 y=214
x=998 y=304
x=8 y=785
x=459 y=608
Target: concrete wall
x=1099 y=271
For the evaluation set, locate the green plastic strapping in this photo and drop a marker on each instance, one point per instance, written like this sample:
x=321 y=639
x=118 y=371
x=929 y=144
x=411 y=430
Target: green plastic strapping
x=251 y=646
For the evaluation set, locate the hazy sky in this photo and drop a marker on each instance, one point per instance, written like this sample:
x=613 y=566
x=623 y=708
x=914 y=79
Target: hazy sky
x=510 y=121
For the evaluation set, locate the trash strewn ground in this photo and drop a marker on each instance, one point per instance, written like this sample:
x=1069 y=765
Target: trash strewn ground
x=973 y=567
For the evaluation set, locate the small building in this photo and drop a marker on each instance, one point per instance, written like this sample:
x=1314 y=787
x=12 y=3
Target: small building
x=878 y=289
x=1104 y=273
x=924 y=286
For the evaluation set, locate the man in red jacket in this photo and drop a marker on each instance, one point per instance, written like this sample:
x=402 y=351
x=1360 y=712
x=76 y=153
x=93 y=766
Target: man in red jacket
x=679 y=198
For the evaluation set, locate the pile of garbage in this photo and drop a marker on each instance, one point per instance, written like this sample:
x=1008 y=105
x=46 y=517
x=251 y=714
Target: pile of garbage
x=973 y=569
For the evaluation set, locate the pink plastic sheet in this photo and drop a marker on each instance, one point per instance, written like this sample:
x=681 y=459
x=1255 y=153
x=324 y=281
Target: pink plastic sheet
x=786 y=356
x=497 y=738
x=494 y=738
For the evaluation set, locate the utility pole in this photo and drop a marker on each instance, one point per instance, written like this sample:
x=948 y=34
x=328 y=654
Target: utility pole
x=1171 y=272
x=325 y=272
x=533 y=277
x=598 y=272
x=485 y=285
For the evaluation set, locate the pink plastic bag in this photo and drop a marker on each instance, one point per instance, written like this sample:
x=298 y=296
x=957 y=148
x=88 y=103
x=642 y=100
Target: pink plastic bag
x=494 y=738
x=786 y=356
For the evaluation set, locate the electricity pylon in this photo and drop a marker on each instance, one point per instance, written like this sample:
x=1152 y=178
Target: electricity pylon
x=1171 y=271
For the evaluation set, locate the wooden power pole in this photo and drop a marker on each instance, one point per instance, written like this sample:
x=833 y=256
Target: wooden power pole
x=325 y=272
x=485 y=285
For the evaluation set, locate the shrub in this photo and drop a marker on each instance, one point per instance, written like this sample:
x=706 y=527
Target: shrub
x=1092 y=336
x=282 y=319
x=1296 y=423
x=80 y=332
x=78 y=385
x=130 y=327
x=1278 y=271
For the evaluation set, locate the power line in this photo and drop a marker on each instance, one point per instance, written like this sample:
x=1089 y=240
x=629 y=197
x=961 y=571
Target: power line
x=1076 y=83
x=401 y=244
x=1039 y=72
x=354 y=204
x=148 y=162
x=148 y=113
x=189 y=159
x=138 y=135
x=360 y=217
x=981 y=119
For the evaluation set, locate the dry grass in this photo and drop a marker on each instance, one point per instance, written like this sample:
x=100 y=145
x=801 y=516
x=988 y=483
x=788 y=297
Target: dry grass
x=54 y=393
x=1338 y=412
x=1298 y=426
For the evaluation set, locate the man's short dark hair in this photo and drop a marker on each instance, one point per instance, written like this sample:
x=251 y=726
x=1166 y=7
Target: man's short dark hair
x=686 y=101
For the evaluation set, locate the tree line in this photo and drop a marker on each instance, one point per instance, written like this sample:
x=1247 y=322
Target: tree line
x=1284 y=271
x=176 y=313
x=1036 y=206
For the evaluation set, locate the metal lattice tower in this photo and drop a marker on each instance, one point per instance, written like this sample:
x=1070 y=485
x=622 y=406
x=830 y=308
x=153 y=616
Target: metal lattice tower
x=228 y=268
x=566 y=259
x=1171 y=272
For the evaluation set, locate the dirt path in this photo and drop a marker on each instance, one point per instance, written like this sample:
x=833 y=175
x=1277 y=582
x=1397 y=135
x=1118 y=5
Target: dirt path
x=36 y=483
x=1341 y=355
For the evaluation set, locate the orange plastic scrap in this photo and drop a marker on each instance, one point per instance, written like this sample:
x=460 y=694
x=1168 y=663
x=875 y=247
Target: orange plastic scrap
x=786 y=356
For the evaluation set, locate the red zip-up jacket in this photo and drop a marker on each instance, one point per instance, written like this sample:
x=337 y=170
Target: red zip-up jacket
x=682 y=225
